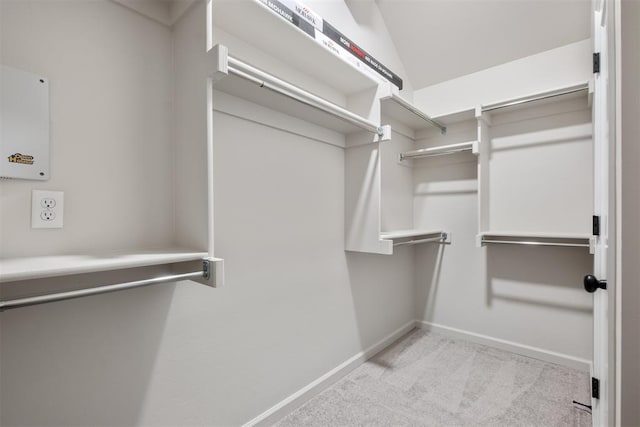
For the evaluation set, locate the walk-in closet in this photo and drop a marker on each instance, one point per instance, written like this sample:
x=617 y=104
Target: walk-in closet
x=319 y=213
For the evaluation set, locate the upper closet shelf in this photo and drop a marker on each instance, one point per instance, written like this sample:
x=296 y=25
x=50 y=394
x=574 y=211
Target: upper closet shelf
x=581 y=90
x=414 y=237
x=38 y=267
x=398 y=109
x=562 y=94
x=254 y=23
x=238 y=78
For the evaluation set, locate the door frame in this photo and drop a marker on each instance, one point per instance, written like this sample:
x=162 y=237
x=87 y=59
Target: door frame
x=604 y=307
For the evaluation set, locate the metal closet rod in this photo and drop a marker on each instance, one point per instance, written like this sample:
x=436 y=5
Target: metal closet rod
x=61 y=296
x=282 y=87
x=441 y=238
x=438 y=151
x=538 y=97
x=419 y=113
x=533 y=243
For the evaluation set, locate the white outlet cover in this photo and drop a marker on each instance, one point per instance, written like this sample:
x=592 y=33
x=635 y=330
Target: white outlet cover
x=39 y=211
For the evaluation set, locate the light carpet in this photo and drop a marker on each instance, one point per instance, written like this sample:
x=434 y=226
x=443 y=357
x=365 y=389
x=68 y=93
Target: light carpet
x=427 y=379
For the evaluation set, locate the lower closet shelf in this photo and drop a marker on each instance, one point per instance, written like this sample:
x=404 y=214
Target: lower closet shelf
x=537 y=239
x=38 y=267
x=414 y=237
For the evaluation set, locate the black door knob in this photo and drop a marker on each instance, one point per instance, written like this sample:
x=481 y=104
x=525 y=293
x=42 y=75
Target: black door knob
x=592 y=284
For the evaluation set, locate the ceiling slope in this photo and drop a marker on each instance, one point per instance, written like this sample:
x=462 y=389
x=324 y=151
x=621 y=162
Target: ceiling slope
x=438 y=40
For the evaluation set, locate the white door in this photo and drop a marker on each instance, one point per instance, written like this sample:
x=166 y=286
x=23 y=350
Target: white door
x=597 y=282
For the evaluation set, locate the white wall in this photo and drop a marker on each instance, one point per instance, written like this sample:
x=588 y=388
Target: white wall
x=564 y=66
x=88 y=362
x=110 y=104
x=526 y=296
x=295 y=305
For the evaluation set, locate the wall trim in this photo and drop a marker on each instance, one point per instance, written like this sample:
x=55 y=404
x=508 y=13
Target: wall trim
x=514 y=347
x=302 y=396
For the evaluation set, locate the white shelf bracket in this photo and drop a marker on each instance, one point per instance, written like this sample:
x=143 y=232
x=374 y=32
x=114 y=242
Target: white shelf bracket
x=483 y=115
x=218 y=62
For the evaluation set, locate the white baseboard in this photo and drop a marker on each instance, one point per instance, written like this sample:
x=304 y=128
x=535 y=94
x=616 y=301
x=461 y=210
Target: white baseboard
x=513 y=347
x=306 y=393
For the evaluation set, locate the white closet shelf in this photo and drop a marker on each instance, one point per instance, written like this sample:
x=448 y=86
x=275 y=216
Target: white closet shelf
x=240 y=79
x=415 y=236
x=580 y=90
x=38 y=267
x=456 y=116
x=253 y=22
x=537 y=239
x=400 y=110
x=440 y=150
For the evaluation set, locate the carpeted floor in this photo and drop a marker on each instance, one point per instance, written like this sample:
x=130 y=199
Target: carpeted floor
x=427 y=379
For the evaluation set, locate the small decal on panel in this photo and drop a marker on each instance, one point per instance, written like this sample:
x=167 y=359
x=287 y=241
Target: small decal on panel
x=329 y=44
x=308 y=15
x=23 y=159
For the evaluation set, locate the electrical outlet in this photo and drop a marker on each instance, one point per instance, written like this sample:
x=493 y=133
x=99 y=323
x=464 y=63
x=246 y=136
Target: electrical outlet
x=47 y=215
x=48 y=202
x=47 y=209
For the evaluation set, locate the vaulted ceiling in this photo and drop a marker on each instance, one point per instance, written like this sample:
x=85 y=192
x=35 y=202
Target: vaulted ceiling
x=439 y=40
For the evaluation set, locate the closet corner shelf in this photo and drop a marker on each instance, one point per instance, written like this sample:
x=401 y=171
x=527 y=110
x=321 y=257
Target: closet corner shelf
x=396 y=108
x=537 y=239
x=39 y=267
x=580 y=90
x=254 y=23
x=460 y=147
x=456 y=116
x=414 y=237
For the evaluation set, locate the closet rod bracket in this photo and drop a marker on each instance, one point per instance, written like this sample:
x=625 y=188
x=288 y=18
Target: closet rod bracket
x=212 y=272
x=383 y=133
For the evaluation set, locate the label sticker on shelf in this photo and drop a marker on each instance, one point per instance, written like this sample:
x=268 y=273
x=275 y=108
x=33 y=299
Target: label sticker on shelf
x=330 y=45
x=359 y=53
x=287 y=14
x=299 y=15
x=308 y=15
